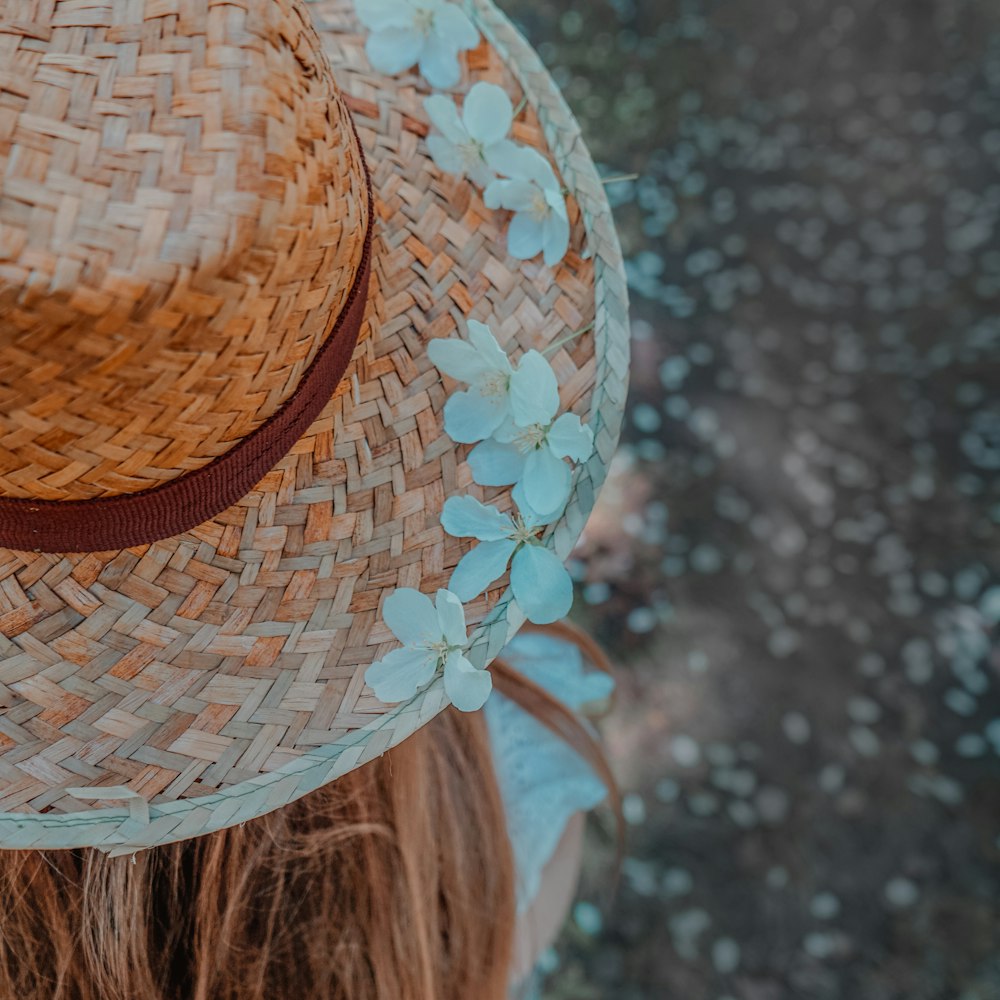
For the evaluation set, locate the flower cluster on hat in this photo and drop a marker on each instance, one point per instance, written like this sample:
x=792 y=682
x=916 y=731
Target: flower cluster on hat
x=470 y=142
x=540 y=582
x=474 y=144
x=498 y=391
x=434 y=638
x=530 y=458
x=512 y=413
x=428 y=33
x=529 y=188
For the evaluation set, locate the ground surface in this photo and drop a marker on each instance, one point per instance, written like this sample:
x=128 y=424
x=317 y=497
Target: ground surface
x=806 y=593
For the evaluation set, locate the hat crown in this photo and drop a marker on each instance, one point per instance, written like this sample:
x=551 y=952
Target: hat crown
x=183 y=205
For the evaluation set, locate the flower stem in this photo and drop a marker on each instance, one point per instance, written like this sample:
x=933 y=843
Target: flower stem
x=521 y=105
x=555 y=345
x=619 y=178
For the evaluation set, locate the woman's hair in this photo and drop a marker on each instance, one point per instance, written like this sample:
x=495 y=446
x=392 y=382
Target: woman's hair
x=394 y=882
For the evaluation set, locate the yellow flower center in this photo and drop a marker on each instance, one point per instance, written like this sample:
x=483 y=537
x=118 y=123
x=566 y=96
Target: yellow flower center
x=441 y=648
x=539 y=207
x=523 y=535
x=494 y=384
x=529 y=438
x=424 y=21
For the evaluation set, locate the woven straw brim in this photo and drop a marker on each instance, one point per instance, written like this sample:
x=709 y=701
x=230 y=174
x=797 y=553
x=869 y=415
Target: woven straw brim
x=210 y=678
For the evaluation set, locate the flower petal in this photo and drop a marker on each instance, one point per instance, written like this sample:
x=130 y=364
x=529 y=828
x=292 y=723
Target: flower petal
x=508 y=432
x=451 y=618
x=439 y=62
x=541 y=584
x=534 y=391
x=495 y=464
x=569 y=438
x=445 y=155
x=493 y=194
x=555 y=199
x=466 y=686
x=482 y=339
x=555 y=238
x=458 y=359
x=452 y=24
x=524 y=237
x=532 y=166
x=392 y=50
x=376 y=15
x=444 y=115
x=516 y=196
x=399 y=675
x=472 y=416
x=410 y=617
x=479 y=173
x=466 y=517
x=507 y=159
x=530 y=516
x=480 y=566
x=547 y=481
x=541 y=172
x=487 y=113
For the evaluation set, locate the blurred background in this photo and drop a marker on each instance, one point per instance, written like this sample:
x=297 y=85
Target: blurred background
x=795 y=561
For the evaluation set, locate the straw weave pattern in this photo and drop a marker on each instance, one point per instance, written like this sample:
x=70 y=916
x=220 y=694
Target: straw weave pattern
x=213 y=677
x=182 y=214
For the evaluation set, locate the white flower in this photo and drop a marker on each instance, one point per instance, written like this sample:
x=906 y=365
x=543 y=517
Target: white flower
x=541 y=584
x=434 y=638
x=497 y=390
x=407 y=32
x=467 y=144
x=531 y=458
x=532 y=192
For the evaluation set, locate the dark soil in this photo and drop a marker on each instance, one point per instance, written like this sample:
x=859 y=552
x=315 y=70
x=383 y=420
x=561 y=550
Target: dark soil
x=796 y=560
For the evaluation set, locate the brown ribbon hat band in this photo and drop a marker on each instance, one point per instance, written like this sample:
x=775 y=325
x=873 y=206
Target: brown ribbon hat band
x=105 y=523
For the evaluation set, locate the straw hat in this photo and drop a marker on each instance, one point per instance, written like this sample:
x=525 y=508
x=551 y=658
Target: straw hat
x=222 y=443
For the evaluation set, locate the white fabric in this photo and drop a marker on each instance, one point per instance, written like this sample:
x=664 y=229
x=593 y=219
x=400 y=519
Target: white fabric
x=542 y=780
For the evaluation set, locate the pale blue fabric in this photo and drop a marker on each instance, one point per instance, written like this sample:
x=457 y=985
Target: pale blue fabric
x=529 y=988
x=542 y=780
